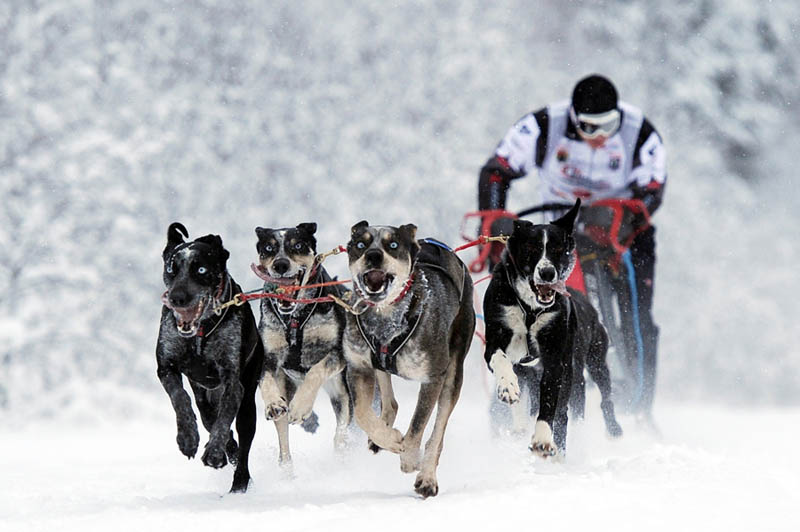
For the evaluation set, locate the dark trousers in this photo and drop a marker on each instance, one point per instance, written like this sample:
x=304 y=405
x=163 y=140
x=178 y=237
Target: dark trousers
x=643 y=257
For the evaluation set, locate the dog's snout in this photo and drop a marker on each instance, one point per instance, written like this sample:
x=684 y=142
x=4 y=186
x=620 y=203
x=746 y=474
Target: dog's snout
x=281 y=266
x=179 y=298
x=547 y=274
x=374 y=257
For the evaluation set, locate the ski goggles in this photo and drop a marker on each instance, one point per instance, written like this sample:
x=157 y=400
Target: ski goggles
x=595 y=125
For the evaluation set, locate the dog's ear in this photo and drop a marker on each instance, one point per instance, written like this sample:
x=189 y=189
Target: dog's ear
x=567 y=222
x=360 y=226
x=215 y=242
x=519 y=225
x=308 y=227
x=175 y=236
x=261 y=233
x=409 y=233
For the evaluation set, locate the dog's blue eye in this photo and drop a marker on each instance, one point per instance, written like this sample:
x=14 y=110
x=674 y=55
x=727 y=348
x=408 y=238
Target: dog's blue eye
x=361 y=245
x=202 y=270
x=393 y=245
x=268 y=249
x=298 y=246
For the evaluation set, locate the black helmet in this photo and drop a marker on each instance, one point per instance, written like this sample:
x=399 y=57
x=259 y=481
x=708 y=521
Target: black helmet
x=594 y=95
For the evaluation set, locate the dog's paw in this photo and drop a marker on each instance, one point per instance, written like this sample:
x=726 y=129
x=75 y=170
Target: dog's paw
x=409 y=460
x=241 y=481
x=232 y=451
x=301 y=407
x=311 y=423
x=426 y=485
x=508 y=389
x=188 y=440
x=388 y=439
x=542 y=443
x=613 y=428
x=276 y=409
x=214 y=456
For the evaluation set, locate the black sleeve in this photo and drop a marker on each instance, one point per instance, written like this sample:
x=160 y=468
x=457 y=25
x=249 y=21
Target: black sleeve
x=493 y=182
x=496 y=175
x=543 y=120
x=652 y=193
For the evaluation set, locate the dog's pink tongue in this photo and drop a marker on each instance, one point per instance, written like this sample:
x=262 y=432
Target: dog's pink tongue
x=560 y=287
x=375 y=279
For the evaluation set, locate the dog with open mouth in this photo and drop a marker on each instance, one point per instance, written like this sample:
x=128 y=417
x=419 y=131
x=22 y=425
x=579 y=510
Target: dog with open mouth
x=413 y=319
x=221 y=355
x=534 y=320
x=301 y=332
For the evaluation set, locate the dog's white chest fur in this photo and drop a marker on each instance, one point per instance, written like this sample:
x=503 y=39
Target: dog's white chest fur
x=523 y=337
x=412 y=363
x=319 y=334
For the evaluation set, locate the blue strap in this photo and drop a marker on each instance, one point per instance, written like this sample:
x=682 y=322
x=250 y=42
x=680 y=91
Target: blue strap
x=637 y=330
x=435 y=242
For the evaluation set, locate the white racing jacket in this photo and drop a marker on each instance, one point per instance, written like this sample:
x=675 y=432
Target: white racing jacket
x=631 y=164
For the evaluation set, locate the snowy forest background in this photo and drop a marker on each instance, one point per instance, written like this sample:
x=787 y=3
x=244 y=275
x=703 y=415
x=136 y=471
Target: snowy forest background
x=121 y=117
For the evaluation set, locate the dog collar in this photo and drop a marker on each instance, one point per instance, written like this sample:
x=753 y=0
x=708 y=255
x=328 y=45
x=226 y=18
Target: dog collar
x=225 y=286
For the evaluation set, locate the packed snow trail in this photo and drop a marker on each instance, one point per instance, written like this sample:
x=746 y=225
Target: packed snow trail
x=712 y=469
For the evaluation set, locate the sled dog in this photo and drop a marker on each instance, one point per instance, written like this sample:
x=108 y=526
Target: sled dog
x=532 y=319
x=221 y=355
x=417 y=323
x=302 y=337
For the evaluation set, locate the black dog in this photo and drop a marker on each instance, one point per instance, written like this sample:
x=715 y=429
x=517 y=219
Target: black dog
x=303 y=339
x=531 y=319
x=221 y=355
x=417 y=323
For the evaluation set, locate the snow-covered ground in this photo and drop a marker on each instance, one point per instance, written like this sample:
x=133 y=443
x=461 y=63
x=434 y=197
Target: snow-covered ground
x=122 y=117
x=712 y=468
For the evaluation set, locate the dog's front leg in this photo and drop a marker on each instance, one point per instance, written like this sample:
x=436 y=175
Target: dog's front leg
x=508 y=389
x=428 y=395
x=362 y=384
x=274 y=401
x=302 y=403
x=232 y=394
x=188 y=438
x=388 y=403
x=554 y=373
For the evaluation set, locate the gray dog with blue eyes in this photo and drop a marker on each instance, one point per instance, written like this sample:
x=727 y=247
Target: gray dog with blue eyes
x=417 y=323
x=302 y=333
x=221 y=355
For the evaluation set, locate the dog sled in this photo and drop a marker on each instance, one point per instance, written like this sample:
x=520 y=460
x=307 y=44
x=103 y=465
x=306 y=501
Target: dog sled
x=604 y=272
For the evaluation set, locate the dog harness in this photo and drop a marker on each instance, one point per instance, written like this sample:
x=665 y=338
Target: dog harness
x=531 y=315
x=384 y=356
x=293 y=324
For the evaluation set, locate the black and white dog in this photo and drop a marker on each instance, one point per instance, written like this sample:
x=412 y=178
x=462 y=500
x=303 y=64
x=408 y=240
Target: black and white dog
x=221 y=355
x=532 y=319
x=303 y=339
x=417 y=323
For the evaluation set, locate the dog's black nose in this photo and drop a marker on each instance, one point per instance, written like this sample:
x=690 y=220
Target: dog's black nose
x=179 y=298
x=281 y=266
x=374 y=257
x=547 y=274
